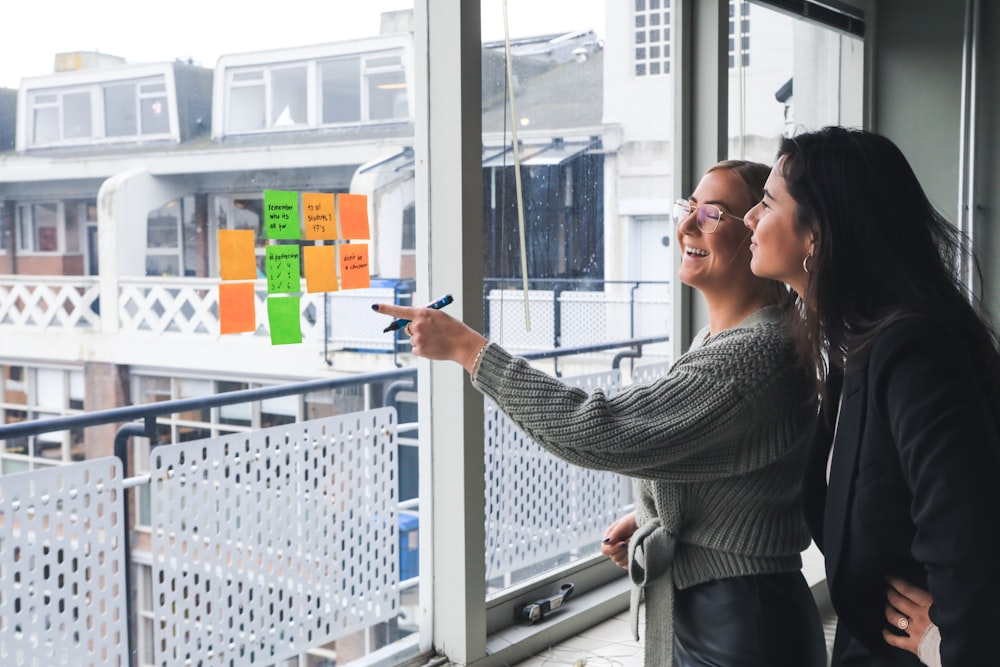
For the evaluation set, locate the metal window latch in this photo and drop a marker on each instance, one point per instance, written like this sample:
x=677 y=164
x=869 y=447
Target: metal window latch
x=536 y=611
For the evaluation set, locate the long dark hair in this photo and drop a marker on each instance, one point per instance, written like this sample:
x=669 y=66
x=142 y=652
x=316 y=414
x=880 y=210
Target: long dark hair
x=882 y=252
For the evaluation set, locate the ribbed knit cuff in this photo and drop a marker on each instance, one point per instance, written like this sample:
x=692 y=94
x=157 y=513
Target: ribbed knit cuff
x=929 y=649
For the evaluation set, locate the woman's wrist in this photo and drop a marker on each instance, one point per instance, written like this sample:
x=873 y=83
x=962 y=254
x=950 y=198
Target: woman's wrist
x=473 y=367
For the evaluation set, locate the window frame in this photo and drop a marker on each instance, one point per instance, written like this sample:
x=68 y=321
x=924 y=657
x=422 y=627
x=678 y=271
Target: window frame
x=26 y=231
x=367 y=53
x=98 y=121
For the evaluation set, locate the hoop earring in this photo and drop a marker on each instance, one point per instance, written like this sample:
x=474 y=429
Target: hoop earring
x=805 y=262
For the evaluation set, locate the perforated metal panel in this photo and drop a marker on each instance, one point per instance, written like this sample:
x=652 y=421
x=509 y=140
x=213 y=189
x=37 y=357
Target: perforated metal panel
x=538 y=506
x=650 y=372
x=507 y=322
x=270 y=542
x=62 y=566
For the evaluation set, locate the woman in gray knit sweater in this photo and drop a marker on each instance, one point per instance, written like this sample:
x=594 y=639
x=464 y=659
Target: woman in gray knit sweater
x=714 y=448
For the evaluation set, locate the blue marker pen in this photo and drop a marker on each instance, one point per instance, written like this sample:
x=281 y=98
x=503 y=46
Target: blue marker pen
x=399 y=324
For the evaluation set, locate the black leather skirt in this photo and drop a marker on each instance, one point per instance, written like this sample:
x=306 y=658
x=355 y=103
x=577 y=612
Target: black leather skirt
x=754 y=621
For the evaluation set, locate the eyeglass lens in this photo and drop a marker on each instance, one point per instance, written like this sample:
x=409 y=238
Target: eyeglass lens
x=708 y=216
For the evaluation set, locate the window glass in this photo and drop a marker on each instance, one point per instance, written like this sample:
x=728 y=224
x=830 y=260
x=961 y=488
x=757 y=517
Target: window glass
x=39 y=227
x=288 y=96
x=154 y=108
x=163 y=240
x=46 y=124
x=387 y=92
x=340 y=82
x=244 y=212
x=77 y=119
x=794 y=76
x=120 y=110
x=31 y=393
x=575 y=291
x=246 y=107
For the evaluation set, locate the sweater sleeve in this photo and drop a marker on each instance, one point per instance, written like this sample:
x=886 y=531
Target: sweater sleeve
x=686 y=426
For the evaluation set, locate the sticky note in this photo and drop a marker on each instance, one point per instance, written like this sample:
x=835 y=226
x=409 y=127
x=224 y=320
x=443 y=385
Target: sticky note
x=236 y=254
x=353 y=216
x=236 y=308
x=283 y=272
x=283 y=320
x=281 y=215
x=320 y=264
x=354 y=272
x=319 y=216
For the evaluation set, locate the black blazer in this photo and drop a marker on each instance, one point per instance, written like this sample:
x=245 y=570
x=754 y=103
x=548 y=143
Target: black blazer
x=914 y=491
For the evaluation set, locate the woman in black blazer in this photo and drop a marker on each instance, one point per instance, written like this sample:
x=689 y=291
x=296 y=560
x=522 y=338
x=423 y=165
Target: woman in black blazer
x=905 y=467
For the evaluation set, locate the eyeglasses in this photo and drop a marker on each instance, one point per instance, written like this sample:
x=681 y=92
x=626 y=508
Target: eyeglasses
x=708 y=215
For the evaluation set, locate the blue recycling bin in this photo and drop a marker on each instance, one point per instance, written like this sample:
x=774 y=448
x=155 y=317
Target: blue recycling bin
x=409 y=545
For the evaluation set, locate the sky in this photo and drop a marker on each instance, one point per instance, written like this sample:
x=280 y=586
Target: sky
x=202 y=30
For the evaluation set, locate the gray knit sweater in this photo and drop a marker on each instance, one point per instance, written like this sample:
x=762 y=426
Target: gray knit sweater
x=713 y=447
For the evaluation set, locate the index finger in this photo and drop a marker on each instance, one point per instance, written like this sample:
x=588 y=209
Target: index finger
x=394 y=311
x=914 y=593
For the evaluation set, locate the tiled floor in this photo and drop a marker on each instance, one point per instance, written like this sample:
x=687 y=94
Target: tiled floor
x=609 y=644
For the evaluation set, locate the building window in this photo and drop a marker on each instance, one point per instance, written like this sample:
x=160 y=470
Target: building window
x=744 y=34
x=163 y=240
x=41 y=228
x=363 y=88
x=263 y=98
x=40 y=393
x=652 y=37
x=121 y=109
x=347 y=90
x=244 y=212
x=136 y=109
x=386 y=83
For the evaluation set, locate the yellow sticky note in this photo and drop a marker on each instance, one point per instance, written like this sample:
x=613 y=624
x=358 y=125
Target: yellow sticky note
x=353 y=216
x=319 y=216
x=321 y=268
x=354 y=272
x=236 y=308
x=236 y=254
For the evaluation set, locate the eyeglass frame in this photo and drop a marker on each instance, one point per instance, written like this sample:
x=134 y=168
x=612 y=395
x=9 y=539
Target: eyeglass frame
x=689 y=208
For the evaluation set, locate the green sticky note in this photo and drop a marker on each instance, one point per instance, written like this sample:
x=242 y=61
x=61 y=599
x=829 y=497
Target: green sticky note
x=281 y=215
x=283 y=273
x=283 y=320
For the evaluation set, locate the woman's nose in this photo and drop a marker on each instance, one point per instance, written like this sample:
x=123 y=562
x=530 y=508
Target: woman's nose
x=689 y=222
x=750 y=219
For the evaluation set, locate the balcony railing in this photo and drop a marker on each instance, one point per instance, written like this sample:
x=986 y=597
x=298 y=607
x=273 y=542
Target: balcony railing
x=264 y=545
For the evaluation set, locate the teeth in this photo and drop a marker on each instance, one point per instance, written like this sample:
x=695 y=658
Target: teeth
x=696 y=251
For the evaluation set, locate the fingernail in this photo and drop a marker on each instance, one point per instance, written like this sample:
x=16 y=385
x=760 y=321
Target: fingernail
x=606 y=540
x=623 y=544
x=374 y=306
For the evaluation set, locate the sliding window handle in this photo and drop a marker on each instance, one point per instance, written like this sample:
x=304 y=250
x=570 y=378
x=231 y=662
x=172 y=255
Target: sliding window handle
x=536 y=611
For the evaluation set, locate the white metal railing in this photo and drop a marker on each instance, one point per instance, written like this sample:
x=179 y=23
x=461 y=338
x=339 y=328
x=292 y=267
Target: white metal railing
x=160 y=306
x=46 y=302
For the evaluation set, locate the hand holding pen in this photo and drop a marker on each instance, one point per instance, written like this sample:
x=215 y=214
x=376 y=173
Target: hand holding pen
x=402 y=324
x=434 y=334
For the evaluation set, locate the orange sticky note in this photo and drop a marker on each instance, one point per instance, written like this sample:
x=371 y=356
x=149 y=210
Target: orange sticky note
x=321 y=268
x=354 y=266
x=319 y=216
x=236 y=308
x=236 y=254
x=353 y=216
